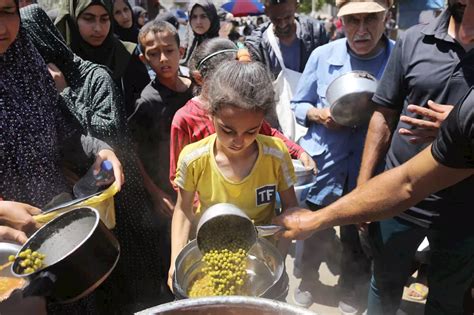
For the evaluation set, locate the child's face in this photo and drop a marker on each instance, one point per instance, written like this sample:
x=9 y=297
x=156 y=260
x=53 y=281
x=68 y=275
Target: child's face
x=237 y=128
x=162 y=54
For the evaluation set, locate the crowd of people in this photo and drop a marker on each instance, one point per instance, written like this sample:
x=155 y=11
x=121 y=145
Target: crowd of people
x=204 y=109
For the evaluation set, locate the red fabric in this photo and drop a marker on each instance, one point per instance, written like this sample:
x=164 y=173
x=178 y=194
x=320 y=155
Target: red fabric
x=191 y=123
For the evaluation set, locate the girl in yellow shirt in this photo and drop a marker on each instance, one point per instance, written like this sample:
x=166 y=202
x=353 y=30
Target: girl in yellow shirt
x=235 y=165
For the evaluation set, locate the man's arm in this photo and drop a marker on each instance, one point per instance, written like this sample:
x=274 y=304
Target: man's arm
x=377 y=142
x=382 y=197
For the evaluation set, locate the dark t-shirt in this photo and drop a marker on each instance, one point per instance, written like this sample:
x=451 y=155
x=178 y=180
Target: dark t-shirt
x=150 y=125
x=454 y=146
x=426 y=64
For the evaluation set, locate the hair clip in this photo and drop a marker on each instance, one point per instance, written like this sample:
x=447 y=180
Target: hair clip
x=243 y=55
x=212 y=55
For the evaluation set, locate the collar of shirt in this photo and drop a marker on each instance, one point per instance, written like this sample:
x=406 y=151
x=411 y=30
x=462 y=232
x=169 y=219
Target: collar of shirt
x=439 y=27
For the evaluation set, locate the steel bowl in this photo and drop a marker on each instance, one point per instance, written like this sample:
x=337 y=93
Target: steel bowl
x=265 y=269
x=303 y=176
x=350 y=98
x=227 y=305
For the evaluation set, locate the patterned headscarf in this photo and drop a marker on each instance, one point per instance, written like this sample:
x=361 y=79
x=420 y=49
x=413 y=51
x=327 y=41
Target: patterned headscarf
x=31 y=127
x=79 y=74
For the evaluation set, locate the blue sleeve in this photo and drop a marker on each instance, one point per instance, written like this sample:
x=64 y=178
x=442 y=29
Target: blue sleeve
x=306 y=96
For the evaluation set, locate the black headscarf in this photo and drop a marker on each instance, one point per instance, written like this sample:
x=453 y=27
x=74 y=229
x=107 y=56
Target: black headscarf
x=126 y=34
x=112 y=53
x=213 y=31
x=137 y=11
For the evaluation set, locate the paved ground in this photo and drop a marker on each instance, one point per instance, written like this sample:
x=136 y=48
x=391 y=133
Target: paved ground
x=325 y=292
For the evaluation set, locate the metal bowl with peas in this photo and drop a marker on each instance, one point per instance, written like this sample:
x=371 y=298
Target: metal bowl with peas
x=29 y=261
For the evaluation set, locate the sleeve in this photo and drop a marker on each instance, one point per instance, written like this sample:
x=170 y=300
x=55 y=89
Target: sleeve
x=102 y=111
x=306 y=96
x=391 y=89
x=179 y=138
x=454 y=146
x=286 y=176
x=185 y=172
x=294 y=149
x=92 y=146
x=253 y=43
x=141 y=122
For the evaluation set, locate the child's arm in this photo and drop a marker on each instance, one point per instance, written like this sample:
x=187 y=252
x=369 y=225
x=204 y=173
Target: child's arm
x=162 y=202
x=180 y=227
x=288 y=200
x=179 y=138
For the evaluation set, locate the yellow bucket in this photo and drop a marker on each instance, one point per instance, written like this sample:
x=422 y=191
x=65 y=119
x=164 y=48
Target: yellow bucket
x=104 y=203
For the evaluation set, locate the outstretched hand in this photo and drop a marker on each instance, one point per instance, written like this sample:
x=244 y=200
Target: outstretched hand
x=297 y=222
x=427 y=127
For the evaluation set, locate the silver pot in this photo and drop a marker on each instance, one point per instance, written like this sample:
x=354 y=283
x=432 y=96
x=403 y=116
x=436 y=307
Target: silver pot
x=303 y=176
x=265 y=268
x=350 y=98
x=227 y=305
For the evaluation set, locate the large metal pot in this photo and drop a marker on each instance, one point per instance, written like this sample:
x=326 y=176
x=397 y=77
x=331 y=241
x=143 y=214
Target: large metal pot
x=265 y=268
x=350 y=98
x=80 y=254
x=226 y=305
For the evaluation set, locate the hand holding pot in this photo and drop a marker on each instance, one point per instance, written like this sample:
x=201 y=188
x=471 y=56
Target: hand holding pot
x=322 y=116
x=298 y=223
x=10 y=234
x=308 y=162
x=18 y=216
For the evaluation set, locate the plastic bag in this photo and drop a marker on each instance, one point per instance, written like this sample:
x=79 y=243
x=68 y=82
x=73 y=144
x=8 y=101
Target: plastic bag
x=103 y=203
x=285 y=86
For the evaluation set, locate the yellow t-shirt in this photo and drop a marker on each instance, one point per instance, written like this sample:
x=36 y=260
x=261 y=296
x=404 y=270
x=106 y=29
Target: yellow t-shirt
x=273 y=171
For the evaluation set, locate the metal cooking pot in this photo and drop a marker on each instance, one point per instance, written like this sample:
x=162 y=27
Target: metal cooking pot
x=80 y=254
x=227 y=305
x=232 y=223
x=350 y=98
x=303 y=176
x=265 y=268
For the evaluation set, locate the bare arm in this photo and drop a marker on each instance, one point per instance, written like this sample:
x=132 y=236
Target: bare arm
x=162 y=202
x=180 y=227
x=382 y=197
x=377 y=142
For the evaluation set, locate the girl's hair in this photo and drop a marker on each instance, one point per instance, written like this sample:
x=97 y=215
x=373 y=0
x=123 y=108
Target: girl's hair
x=207 y=48
x=207 y=67
x=246 y=85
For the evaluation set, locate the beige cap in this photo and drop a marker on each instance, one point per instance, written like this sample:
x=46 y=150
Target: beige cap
x=347 y=7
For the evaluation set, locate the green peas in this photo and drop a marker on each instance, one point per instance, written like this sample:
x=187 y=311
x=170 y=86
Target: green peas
x=30 y=261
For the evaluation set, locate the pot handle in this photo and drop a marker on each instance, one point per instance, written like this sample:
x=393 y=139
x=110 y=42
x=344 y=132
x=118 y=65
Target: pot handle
x=41 y=285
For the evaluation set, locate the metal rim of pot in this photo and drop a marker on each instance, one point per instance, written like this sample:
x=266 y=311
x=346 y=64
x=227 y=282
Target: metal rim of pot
x=363 y=85
x=54 y=271
x=207 y=303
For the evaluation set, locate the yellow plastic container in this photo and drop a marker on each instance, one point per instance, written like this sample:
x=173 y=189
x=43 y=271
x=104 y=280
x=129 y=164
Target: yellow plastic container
x=104 y=203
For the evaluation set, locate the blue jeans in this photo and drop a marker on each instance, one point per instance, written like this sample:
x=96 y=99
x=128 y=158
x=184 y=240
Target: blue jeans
x=450 y=274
